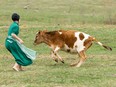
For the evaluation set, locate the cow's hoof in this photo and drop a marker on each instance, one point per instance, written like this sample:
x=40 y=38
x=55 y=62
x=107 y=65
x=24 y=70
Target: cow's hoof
x=56 y=60
x=62 y=61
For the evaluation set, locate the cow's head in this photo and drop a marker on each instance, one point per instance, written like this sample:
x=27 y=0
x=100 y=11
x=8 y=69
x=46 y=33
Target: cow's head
x=39 y=37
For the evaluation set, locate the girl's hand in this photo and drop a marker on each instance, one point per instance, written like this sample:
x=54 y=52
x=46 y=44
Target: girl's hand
x=21 y=41
x=16 y=37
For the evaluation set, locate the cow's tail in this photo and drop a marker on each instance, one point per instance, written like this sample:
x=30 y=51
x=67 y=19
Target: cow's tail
x=98 y=42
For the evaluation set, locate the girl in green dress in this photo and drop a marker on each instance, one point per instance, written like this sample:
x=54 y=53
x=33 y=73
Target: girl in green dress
x=12 y=46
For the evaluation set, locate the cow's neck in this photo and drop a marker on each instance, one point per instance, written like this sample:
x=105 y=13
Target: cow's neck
x=47 y=41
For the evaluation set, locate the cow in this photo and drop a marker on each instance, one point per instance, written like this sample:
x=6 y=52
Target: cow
x=71 y=41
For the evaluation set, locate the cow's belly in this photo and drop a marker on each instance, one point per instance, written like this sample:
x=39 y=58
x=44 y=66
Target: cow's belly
x=71 y=50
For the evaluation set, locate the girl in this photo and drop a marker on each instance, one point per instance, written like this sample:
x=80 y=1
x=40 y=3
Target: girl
x=12 y=43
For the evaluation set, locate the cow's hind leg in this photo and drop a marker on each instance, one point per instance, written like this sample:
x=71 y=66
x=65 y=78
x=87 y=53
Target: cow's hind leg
x=87 y=44
x=82 y=59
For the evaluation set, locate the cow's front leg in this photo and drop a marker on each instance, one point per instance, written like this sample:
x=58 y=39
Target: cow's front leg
x=56 y=54
x=59 y=57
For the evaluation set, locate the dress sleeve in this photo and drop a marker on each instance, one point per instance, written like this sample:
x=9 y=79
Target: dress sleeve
x=15 y=30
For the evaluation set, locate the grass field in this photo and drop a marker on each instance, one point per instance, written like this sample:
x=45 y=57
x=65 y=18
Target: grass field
x=95 y=17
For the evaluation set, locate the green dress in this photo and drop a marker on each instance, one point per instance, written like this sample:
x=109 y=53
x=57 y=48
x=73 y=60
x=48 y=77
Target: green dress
x=13 y=47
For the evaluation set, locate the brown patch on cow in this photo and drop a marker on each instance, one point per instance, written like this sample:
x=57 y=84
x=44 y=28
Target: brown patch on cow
x=69 y=38
x=53 y=37
x=51 y=33
x=81 y=36
x=88 y=43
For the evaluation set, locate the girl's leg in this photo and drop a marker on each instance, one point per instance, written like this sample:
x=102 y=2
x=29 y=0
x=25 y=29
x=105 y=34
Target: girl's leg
x=20 y=68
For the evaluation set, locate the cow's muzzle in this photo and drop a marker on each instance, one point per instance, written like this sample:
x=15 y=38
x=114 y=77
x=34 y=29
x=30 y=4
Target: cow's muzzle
x=34 y=43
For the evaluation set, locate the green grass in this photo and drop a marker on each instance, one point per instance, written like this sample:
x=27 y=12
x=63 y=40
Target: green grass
x=95 y=17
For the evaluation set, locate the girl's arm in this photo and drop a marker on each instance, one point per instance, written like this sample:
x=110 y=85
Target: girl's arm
x=16 y=37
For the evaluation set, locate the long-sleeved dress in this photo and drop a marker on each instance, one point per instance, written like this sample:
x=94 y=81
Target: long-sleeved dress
x=12 y=46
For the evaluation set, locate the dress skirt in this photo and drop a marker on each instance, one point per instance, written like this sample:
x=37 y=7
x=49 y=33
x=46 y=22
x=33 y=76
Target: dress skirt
x=21 y=56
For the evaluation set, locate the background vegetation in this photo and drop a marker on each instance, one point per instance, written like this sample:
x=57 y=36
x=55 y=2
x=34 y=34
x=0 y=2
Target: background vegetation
x=95 y=17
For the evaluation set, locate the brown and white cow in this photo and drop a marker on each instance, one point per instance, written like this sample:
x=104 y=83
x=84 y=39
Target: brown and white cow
x=67 y=40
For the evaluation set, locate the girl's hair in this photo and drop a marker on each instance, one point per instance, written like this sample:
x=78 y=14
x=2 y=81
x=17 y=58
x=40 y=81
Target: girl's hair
x=15 y=17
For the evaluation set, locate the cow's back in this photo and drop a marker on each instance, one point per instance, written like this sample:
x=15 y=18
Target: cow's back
x=74 y=40
x=69 y=37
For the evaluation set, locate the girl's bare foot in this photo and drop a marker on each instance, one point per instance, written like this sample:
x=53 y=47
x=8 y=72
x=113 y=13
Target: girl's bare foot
x=16 y=67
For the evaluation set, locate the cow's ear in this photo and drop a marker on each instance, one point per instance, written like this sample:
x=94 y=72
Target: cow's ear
x=39 y=32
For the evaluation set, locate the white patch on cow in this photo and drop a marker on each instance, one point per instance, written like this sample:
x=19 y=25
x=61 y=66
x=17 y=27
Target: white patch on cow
x=56 y=49
x=79 y=43
x=79 y=64
x=60 y=32
x=100 y=43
